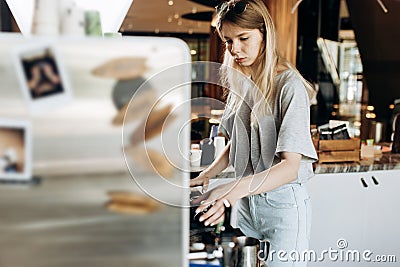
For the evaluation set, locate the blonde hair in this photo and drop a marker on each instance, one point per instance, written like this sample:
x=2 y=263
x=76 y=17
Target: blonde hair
x=264 y=69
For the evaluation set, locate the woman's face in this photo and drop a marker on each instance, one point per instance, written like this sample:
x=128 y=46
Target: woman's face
x=243 y=44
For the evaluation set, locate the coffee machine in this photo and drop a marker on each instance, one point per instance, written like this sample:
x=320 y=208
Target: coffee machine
x=395 y=138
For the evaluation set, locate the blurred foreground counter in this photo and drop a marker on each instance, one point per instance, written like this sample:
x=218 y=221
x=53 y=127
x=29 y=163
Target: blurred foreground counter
x=64 y=221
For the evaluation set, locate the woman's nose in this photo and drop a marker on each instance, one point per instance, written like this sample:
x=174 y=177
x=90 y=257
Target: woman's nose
x=235 y=49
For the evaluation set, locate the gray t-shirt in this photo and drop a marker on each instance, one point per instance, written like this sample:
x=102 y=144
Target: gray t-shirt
x=256 y=147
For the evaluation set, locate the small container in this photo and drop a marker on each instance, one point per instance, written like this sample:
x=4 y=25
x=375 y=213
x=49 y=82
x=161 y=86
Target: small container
x=195 y=146
x=195 y=157
x=112 y=35
x=367 y=151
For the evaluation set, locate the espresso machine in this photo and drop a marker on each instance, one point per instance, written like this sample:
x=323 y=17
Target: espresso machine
x=395 y=137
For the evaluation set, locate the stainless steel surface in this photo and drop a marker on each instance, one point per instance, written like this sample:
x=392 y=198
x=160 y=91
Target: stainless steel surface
x=238 y=251
x=64 y=222
x=241 y=251
x=249 y=256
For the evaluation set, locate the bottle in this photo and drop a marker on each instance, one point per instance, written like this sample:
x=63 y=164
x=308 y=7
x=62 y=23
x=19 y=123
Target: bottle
x=45 y=17
x=72 y=19
x=219 y=144
x=208 y=151
x=213 y=132
x=195 y=155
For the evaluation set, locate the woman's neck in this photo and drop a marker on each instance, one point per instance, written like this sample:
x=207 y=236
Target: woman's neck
x=246 y=71
x=281 y=68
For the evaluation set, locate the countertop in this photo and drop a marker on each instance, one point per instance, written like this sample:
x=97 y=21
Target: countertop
x=387 y=161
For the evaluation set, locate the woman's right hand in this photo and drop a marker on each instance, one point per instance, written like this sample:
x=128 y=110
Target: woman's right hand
x=203 y=179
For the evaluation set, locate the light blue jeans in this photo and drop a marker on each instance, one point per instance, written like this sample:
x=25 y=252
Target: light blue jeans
x=283 y=217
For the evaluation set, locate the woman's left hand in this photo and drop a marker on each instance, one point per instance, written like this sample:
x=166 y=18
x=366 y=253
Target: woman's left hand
x=215 y=202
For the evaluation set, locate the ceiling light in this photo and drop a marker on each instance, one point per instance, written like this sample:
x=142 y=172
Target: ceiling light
x=385 y=10
x=180 y=22
x=170 y=19
x=112 y=12
x=193 y=52
x=213 y=121
x=194 y=10
x=176 y=16
x=170 y=3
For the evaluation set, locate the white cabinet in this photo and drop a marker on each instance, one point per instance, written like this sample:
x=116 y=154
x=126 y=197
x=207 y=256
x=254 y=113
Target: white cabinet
x=383 y=225
x=338 y=214
x=358 y=211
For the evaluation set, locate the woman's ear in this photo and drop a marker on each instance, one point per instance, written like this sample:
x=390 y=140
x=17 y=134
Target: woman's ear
x=262 y=30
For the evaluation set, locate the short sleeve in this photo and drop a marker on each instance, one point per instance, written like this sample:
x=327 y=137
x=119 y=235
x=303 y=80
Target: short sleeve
x=222 y=130
x=226 y=124
x=294 y=132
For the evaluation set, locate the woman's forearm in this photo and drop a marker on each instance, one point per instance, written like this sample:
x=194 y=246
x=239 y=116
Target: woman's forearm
x=270 y=179
x=220 y=163
x=227 y=194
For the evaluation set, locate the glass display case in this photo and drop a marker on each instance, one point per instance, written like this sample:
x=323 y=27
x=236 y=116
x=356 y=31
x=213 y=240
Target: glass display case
x=351 y=84
x=342 y=61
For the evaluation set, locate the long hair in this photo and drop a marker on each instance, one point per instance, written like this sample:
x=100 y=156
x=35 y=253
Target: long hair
x=264 y=69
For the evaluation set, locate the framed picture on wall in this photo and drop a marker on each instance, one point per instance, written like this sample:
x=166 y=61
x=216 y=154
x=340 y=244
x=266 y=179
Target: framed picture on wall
x=42 y=76
x=15 y=149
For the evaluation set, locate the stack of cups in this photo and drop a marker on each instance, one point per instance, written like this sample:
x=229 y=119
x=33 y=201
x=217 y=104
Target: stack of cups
x=93 y=23
x=51 y=17
x=45 y=17
x=195 y=155
x=72 y=19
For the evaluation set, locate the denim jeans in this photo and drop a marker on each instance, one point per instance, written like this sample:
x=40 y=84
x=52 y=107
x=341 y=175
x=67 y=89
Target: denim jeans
x=281 y=216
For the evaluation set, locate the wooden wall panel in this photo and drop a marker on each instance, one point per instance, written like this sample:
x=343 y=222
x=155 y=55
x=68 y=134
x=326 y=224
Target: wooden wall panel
x=217 y=49
x=286 y=26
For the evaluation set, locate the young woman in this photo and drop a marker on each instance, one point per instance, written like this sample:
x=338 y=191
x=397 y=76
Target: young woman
x=266 y=120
